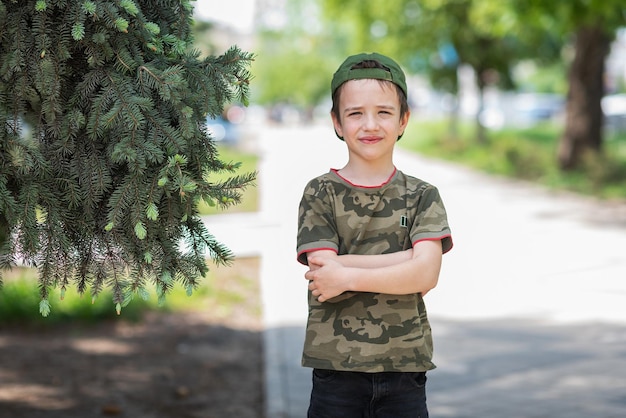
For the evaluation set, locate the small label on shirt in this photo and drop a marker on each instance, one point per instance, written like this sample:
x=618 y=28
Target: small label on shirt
x=403 y=221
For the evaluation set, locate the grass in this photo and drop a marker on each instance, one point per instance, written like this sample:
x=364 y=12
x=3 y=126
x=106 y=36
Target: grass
x=225 y=290
x=249 y=199
x=528 y=154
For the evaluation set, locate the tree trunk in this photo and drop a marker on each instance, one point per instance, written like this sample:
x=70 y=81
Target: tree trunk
x=481 y=130
x=583 y=120
x=453 y=122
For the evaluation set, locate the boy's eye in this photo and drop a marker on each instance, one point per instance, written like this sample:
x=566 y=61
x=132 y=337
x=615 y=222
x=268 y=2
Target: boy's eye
x=354 y=113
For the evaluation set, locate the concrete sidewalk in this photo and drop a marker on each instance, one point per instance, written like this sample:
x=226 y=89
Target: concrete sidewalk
x=529 y=316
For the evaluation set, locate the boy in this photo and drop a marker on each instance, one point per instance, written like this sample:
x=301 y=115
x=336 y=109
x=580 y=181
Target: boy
x=373 y=239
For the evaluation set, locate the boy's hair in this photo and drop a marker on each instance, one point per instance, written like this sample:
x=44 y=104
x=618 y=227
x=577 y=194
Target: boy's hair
x=370 y=66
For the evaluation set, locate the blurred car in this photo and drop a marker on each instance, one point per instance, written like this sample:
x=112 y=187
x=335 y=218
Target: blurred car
x=614 y=109
x=222 y=130
x=226 y=127
x=536 y=107
x=521 y=109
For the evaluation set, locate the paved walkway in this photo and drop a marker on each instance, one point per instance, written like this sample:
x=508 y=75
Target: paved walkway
x=529 y=317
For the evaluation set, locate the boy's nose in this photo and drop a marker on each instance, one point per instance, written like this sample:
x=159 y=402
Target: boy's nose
x=371 y=122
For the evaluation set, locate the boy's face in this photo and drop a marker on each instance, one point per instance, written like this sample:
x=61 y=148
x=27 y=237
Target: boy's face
x=369 y=118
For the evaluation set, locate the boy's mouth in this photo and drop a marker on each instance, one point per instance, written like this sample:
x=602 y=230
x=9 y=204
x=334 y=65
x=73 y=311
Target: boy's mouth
x=370 y=139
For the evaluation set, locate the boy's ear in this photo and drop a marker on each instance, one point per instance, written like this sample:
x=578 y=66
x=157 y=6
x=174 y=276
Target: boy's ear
x=337 y=125
x=404 y=121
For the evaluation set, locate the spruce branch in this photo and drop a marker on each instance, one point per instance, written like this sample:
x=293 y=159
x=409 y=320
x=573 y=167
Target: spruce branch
x=103 y=144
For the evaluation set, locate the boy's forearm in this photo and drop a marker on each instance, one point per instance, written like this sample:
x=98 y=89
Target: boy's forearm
x=417 y=275
x=402 y=279
x=375 y=261
x=329 y=275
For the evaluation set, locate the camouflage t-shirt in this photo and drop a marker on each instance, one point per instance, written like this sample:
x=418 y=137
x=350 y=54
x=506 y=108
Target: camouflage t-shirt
x=359 y=331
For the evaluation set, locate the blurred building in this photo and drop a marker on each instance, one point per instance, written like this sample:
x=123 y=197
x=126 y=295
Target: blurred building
x=233 y=23
x=271 y=14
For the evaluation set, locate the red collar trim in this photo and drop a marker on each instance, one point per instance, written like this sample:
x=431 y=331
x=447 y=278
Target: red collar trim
x=336 y=171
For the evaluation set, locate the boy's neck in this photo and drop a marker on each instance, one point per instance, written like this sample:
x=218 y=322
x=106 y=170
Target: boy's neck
x=369 y=176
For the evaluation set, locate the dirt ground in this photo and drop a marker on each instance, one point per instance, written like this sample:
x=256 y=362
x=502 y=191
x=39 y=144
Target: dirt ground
x=190 y=364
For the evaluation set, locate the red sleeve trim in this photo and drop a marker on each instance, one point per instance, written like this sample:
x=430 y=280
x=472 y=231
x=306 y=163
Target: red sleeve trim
x=446 y=241
x=302 y=259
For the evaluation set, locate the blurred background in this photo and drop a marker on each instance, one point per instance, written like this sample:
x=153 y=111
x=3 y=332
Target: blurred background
x=518 y=116
x=489 y=79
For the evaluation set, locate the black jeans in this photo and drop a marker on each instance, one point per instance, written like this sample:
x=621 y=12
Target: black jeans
x=368 y=395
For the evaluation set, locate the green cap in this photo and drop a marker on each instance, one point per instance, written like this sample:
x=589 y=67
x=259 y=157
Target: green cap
x=345 y=71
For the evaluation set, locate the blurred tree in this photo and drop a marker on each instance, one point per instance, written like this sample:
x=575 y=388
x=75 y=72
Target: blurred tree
x=589 y=26
x=294 y=64
x=203 y=34
x=297 y=78
x=437 y=36
x=104 y=150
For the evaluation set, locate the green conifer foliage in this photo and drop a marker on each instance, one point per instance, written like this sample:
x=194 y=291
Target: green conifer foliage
x=104 y=151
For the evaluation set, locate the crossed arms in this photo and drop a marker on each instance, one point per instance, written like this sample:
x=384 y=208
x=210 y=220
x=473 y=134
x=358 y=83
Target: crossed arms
x=415 y=270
